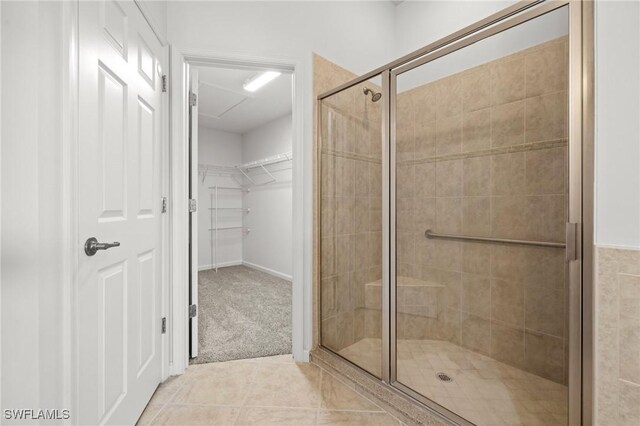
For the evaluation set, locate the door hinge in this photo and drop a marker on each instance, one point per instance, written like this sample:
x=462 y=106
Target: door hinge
x=193 y=311
x=164 y=204
x=193 y=205
x=193 y=99
x=571 y=240
x=164 y=325
x=164 y=83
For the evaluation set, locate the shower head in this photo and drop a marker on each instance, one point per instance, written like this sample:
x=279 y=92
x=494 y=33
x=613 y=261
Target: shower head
x=375 y=96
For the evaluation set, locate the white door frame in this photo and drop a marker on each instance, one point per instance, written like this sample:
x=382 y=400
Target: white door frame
x=301 y=320
x=70 y=217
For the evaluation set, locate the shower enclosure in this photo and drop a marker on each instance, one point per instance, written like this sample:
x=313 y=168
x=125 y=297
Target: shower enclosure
x=450 y=216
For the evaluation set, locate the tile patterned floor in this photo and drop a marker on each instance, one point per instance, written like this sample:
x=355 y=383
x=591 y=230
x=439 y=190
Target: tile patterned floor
x=261 y=391
x=484 y=391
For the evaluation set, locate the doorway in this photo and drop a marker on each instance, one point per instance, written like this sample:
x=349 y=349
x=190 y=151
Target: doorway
x=241 y=160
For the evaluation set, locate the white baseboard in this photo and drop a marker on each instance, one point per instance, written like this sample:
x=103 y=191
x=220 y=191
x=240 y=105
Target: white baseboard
x=268 y=271
x=220 y=265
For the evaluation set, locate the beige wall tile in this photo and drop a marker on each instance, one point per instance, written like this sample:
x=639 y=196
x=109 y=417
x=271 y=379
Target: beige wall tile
x=344 y=215
x=328 y=297
x=507 y=174
x=423 y=102
x=629 y=327
x=405 y=181
x=328 y=217
x=508 y=124
x=509 y=216
x=449 y=215
x=405 y=141
x=449 y=135
x=544 y=355
x=476 y=333
x=362 y=178
x=344 y=330
x=447 y=255
x=507 y=344
x=546 y=171
x=476 y=216
x=344 y=176
x=545 y=117
x=476 y=130
x=476 y=258
x=507 y=81
x=425 y=215
x=476 y=295
x=425 y=252
x=509 y=262
x=425 y=139
x=448 y=97
x=545 y=70
x=375 y=214
x=375 y=181
x=629 y=290
x=629 y=403
x=362 y=214
x=507 y=302
x=344 y=253
x=328 y=256
x=448 y=178
x=406 y=247
x=545 y=310
x=476 y=88
x=425 y=180
x=344 y=302
x=545 y=217
x=617 y=272
x=476 y=173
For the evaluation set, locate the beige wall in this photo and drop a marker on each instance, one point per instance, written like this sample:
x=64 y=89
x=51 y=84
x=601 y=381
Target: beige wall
x=483 y=152
x=351 y=211
x=326 y=75
x=617 y=337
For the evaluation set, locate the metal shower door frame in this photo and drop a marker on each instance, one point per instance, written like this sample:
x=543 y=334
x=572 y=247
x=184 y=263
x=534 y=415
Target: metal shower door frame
x=580 y=177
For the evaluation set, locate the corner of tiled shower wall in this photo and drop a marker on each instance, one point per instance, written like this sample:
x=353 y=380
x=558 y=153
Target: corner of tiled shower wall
x=483 y=152
x=351 y=215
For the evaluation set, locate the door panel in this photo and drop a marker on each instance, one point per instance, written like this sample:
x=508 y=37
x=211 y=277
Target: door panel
x=119 y=359
x=481 y=296
x=193 y=194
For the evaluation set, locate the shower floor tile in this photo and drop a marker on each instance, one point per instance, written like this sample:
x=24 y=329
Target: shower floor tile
x=483 y=390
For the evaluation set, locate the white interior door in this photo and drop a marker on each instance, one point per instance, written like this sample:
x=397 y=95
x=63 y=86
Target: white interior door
x=119 y=174
x=193 y=195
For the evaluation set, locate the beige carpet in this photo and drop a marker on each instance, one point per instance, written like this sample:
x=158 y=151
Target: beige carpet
x=242 y=313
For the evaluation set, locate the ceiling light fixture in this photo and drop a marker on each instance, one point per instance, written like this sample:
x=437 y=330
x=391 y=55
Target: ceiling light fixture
x=260 y=80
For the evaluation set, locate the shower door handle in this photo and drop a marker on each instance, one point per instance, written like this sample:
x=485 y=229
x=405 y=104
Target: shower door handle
x=91 y=246
x=571 y=240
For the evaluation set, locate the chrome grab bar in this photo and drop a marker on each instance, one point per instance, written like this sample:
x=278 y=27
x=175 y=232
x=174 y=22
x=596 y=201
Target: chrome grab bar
x=432 y=235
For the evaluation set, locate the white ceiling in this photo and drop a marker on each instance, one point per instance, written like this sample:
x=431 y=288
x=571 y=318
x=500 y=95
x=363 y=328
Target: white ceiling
x=224 y=105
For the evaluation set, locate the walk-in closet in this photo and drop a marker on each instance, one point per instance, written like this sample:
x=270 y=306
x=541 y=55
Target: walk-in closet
x=244 y=213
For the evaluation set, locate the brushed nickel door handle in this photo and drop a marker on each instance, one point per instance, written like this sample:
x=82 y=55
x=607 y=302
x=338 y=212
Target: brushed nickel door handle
x=91 y=246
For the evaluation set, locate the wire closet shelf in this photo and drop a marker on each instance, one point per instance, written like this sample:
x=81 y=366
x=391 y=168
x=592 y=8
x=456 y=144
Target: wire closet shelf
x=255 y=173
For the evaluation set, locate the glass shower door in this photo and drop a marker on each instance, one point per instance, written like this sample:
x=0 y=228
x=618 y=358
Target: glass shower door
x=351 y=224
x=481 y=296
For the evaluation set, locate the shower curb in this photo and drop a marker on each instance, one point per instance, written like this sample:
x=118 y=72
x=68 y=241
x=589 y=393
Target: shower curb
x=403 y=407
